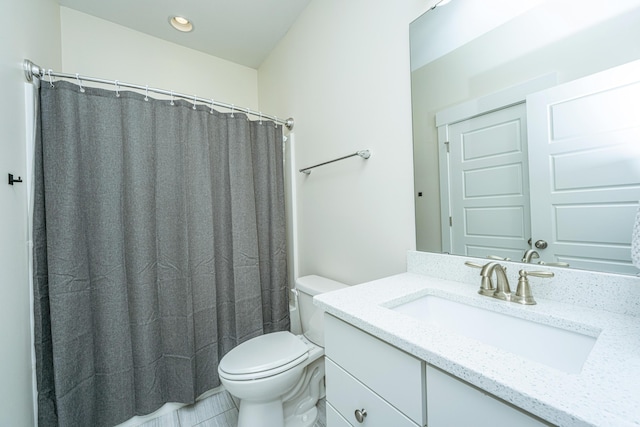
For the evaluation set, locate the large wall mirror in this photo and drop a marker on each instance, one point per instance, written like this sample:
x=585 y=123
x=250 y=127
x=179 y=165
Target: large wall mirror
x=526 y=120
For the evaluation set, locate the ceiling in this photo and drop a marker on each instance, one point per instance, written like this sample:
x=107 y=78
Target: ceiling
x=240 y=31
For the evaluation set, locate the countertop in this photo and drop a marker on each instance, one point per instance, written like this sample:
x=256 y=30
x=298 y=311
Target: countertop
x=605 y=393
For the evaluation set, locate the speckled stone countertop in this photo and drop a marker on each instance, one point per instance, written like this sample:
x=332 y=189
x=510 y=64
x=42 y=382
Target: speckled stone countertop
x=605 y=393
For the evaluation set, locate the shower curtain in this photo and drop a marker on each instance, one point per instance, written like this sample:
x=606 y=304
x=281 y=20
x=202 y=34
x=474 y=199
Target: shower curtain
x=159 y=245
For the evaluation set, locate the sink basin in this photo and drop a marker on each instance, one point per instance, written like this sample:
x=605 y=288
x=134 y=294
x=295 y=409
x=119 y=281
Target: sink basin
x=555 y=347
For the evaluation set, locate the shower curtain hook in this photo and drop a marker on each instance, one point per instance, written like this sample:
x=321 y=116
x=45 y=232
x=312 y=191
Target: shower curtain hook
x=211 y=110
x=79 y=82
x=50 y=78
x=146 y=93
x=194 y=101
x=172 y=103
x=275 y=122
x=232 y=108
x=260 y=117
x=117 y=89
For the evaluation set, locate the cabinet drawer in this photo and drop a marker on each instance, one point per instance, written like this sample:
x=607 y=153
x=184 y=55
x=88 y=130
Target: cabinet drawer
x=394 y=375
x=334 y=419
x=346 y=395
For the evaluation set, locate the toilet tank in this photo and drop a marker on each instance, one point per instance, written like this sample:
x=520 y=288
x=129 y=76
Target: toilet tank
x=312 y=317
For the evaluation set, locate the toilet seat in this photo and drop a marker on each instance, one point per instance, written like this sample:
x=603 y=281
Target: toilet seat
x=263 y=356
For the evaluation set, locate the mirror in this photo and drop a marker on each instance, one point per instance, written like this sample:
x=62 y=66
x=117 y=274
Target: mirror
x=466 y=54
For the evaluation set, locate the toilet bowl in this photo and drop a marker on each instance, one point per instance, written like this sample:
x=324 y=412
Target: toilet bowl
x=279 y=377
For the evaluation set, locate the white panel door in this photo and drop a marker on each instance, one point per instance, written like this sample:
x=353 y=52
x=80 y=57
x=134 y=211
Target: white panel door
x=584 y=165
x=489 y=184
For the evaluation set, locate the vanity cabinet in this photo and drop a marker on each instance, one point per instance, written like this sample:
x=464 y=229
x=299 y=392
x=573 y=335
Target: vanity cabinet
x=370 y=380
x=452 y=402
x=334 y=419
x=374 y=384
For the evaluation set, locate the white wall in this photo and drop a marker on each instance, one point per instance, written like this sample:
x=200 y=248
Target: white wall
x=99 y=48
x=31 y=31
x=342 y=72
x=447 y=28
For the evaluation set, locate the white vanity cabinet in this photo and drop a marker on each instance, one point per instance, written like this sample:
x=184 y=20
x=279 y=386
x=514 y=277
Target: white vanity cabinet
x=370 y=382
x=452 y=402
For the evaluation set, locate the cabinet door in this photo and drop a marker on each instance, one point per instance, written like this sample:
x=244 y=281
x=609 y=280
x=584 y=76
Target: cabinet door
x=452 y=402
x=391 y=373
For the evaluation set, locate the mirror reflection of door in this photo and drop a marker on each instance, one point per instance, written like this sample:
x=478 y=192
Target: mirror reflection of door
x=585 y=169
x=489 y=184
x=582 y=180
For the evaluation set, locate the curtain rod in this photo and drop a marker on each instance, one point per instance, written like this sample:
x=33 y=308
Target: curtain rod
x=31 y=70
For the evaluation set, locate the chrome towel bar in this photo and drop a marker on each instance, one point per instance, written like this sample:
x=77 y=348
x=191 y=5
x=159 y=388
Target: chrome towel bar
x=365 y=154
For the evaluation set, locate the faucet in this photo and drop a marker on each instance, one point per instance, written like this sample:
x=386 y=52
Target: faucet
x=502 y=290
x=529 y=255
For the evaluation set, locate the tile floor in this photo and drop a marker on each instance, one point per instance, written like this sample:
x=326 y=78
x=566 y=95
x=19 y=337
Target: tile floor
x=218 y=410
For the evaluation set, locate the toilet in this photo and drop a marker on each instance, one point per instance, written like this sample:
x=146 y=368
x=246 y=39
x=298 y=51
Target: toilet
x=279 y=377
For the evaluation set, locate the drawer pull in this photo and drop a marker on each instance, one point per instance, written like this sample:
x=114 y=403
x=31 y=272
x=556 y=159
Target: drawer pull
x=360 y=415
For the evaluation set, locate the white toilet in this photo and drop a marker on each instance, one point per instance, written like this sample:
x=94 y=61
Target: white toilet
x=279 y=377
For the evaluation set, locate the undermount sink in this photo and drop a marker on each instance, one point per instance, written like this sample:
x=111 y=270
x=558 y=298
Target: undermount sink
x=555 y=347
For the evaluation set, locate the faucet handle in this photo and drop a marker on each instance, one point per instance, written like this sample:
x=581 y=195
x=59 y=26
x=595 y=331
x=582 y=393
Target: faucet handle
x=554 y=264
x=473 y=264
x=498 y=258
x=523 y=293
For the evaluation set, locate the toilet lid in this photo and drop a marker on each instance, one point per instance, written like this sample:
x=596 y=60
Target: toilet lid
x=264 y=353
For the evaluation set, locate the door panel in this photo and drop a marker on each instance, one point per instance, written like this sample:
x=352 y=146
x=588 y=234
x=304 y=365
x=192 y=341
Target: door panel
x=585 y=169
x=584 y=223
x=489 y=184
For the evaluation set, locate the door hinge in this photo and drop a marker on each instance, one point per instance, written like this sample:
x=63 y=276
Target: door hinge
x=446 y=144
x=450 y=221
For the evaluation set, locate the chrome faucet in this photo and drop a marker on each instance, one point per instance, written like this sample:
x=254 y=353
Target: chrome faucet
x=529 y=255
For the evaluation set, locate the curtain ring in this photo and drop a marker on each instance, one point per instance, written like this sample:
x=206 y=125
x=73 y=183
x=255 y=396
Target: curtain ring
x=275 y=122
x=194 y=101
x=211 y=110
x=79 y=82
x=172 y=103
x=117 y=89
x=50 y=78
x=146 y=93
x=232 y=108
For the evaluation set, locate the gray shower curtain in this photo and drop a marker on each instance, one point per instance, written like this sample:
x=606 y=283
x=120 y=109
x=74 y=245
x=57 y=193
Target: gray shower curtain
x=159 y=245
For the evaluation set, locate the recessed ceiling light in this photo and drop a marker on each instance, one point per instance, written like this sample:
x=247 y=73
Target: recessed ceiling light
x=181 y=23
